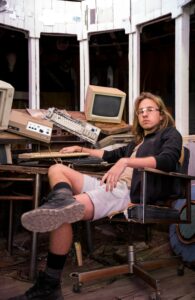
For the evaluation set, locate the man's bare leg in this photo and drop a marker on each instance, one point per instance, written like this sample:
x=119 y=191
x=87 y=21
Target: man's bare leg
x=61 y=173
x=47 y=284
x=61 y=238
x=61 y=207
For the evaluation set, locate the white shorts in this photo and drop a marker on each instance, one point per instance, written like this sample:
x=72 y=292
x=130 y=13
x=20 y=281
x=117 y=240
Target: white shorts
x=105 y=203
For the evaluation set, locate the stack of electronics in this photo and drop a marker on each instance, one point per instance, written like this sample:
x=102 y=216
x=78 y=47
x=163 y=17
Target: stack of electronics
x=102 y=104
x=6 y=99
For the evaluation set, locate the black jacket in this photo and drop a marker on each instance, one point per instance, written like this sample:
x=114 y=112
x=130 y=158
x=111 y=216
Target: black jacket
x=165 y=145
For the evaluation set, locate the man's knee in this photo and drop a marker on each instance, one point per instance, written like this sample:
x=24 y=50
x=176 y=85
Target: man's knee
x=56 y=169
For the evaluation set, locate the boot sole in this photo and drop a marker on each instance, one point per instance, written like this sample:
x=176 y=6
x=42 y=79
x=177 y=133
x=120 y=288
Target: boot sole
x=46 y=219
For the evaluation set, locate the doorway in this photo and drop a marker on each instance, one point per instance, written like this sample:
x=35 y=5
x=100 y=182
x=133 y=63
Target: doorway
x=59 y=72
x=14 y=63
x=157 y=61
x=108 y=60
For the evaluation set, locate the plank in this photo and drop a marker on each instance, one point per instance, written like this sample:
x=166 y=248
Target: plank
x=52 y=154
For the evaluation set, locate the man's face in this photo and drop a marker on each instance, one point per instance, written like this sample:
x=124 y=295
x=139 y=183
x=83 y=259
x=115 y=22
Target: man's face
x=149 y=116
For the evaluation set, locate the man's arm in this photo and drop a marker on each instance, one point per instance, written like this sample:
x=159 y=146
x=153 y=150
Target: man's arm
x=112 y=176
x=139 y=162
x=76 y=148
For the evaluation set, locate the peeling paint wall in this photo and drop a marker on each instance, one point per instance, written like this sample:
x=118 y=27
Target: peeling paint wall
x=53 y=16
x=89 y=16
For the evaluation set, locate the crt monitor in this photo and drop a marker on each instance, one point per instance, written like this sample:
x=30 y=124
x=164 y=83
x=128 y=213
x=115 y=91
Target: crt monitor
x=104 y=104
x=6 y=100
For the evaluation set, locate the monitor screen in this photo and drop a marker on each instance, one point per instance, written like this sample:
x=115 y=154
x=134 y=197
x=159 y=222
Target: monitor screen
x=111 y=109
x=104 y=104
x=6 y=100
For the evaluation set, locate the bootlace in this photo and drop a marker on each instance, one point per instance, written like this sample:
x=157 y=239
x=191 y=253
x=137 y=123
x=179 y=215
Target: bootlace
x=46 y=199
x=56 y=196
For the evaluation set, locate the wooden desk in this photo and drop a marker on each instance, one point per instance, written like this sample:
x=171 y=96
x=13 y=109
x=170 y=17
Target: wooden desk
x=12 y=138
x=24 y=169
x=27 y=174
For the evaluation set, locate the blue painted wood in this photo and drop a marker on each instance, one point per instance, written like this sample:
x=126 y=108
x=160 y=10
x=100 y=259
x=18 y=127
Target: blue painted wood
x=186 y=251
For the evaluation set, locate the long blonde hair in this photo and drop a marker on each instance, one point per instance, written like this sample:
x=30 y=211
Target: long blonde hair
x=167 y=120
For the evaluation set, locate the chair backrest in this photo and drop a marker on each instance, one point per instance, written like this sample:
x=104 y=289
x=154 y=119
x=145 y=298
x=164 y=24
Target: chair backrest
x=177 y=188
x=184 y=160
x=160 y=187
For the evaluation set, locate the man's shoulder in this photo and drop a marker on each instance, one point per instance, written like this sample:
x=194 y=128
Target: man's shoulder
x=170 y=134
x=170 y=130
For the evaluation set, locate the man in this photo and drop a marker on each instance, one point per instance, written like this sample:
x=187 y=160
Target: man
x=75 y=196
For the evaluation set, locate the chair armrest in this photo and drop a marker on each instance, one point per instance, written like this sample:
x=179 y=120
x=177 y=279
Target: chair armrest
x=154 y=214
x=172 y=174
x=149 y=213
x=178 y=187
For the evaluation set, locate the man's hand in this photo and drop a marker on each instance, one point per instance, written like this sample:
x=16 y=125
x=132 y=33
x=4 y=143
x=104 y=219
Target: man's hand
x=71 y=149
x=112 y=176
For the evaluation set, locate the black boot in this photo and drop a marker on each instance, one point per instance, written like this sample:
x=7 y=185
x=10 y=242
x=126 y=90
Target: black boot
x=45 y=287
x=60 y=208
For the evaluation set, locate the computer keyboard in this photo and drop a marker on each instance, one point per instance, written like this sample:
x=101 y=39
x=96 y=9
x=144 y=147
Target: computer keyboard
x=50 y=154
x=89 y=160
x=84 y=130
x=88 y=164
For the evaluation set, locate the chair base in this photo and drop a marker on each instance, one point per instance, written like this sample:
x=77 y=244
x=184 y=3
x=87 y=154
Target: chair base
x=133 y=267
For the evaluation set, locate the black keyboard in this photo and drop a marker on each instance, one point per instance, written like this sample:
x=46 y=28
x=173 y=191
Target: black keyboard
x=89 y=160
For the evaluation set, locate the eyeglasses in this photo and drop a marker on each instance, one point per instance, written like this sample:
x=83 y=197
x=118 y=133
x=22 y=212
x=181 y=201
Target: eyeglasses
x=148 y=110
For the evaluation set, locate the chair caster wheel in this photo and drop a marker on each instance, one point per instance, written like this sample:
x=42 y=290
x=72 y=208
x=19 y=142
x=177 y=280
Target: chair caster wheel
x=76 y=288
x=155 y=296
x=180 y=270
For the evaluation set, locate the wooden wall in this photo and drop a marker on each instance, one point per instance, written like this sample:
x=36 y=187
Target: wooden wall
x=88 y=17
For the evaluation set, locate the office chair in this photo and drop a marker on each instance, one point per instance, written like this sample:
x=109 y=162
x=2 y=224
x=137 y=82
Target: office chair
x=163 y=212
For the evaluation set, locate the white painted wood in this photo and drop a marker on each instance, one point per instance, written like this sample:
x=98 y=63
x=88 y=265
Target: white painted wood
x=146 y=11
x=136 y=63
x=107 y=15
x=138 y=14
x=130 y=100
x=83 y=34
x=34 y=87
x=82 y=75
x=153 y=9
x=134 y=70
x=183 y=2
x=53 y=15
x=87 y=67
x=68 y=17
x=167 y=7
x=182 y=72
x=152 y=6
x=84 y=71
x=59 y=15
